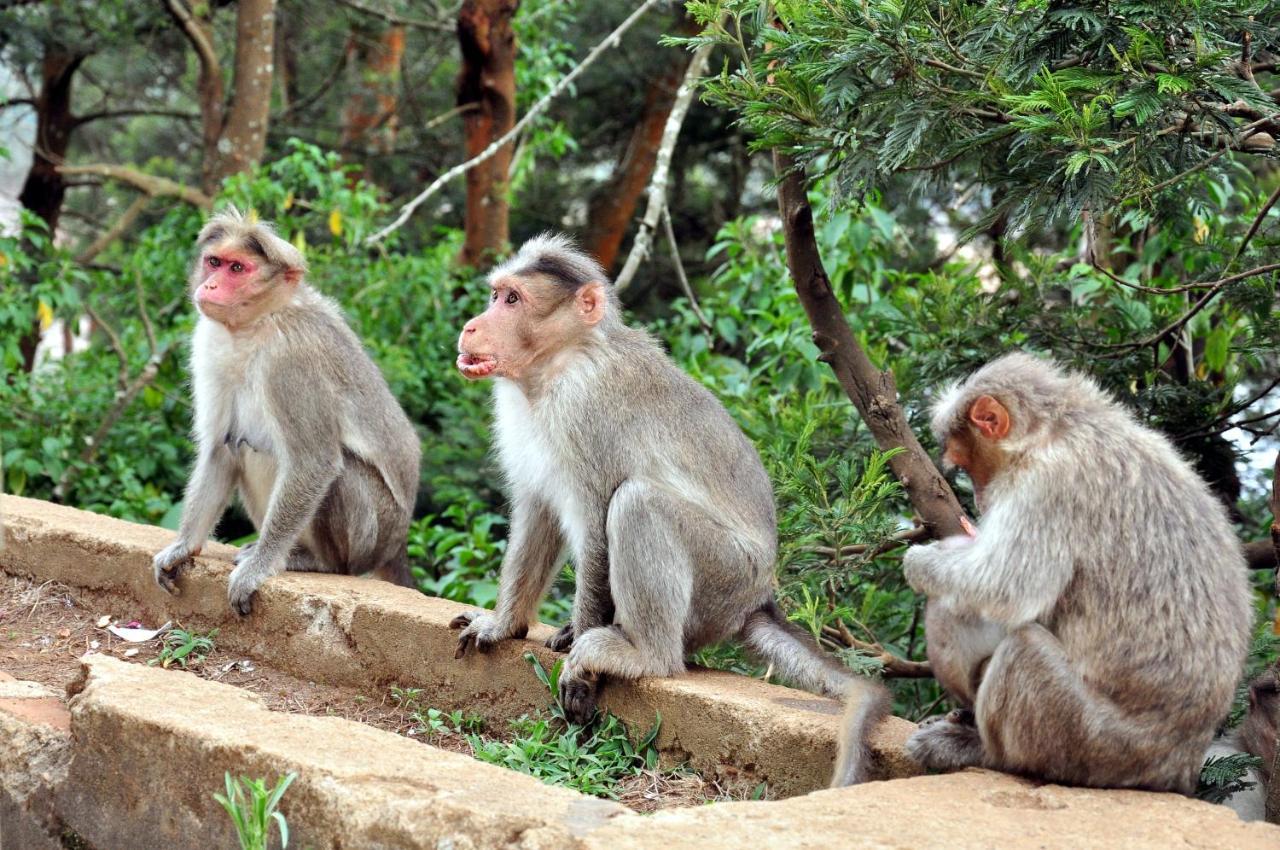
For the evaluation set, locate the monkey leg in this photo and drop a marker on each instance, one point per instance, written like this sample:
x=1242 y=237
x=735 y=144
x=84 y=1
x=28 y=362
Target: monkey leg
x=1038 y=716
x=959 y=644
x=947 y=742
x=359 y=528
x=650 y=580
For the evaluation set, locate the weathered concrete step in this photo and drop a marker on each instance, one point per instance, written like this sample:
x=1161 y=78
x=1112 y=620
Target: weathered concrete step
x=148 y=747
x=340 y=630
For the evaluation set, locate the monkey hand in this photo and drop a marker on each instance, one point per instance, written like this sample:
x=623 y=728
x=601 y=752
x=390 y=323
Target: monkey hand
x=246 y=578
x=579 y=694
x=562 y=641
x=169 y=561
x=919 y=568
x=483 y=630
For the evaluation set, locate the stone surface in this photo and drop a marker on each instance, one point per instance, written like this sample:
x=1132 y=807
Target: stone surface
x=366 y=633
x=35 y=749
x=152 y=745
x=974 y=809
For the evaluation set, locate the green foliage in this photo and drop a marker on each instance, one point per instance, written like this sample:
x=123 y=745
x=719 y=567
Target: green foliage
x=1223 y=776
x=253 y=808
x=184 y=648
x=592 y=760
x=434 y=722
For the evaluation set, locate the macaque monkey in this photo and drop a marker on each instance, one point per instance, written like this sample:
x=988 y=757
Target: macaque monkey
x=609 y=449
x=1256 y=736
x=290 y=410
x=1095 y=624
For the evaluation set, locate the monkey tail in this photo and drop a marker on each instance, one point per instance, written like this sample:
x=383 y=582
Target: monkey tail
x=795 y=656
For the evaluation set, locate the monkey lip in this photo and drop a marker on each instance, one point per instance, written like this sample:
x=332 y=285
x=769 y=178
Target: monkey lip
x=474 y=366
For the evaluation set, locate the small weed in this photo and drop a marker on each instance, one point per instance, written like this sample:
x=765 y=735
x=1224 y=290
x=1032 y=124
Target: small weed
x=253 y=806
x=184 y=648
x=435 y=722
x=591 y=759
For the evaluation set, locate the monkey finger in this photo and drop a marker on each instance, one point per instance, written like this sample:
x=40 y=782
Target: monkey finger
x=579 y=698
x=464 y=642
x=462 y=620
x=561 y=641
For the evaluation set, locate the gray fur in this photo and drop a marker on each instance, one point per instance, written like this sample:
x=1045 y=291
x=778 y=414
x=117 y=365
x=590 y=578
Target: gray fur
x=1099 y=620
x=663 y=503
x=292 y=413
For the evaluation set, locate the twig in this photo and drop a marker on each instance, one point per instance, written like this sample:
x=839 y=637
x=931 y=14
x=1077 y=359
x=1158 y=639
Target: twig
x=893 y=666
x=641 y=245
x=392 y=17
x=122 y=376
x=911 y=535
x=1189 y=287
x=156 y=187
x=596 y=52
x=680 y=275
x=115 y=231
x=1257 y=223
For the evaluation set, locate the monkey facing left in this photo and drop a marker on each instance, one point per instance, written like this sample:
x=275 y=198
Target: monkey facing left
x=291 y=412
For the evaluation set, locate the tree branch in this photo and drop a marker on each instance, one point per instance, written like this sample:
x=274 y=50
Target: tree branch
x=156 y=187
x=892 y=666
x=641 y=245
x=115 y=231
x=392 y=17
x=90 y=117
x=871 y=390
x=440 y=182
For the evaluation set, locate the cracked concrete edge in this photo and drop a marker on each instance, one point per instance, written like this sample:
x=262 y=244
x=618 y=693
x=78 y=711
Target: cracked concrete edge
x=148 y=748
x=367 y=633
x=35 y=751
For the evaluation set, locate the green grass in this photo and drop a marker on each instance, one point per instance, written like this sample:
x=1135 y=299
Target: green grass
x=184 y=648
x=253 y=808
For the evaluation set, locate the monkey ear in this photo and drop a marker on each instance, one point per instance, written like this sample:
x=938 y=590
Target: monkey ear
x=292 y=274
x=592 y=303
x=990 y=417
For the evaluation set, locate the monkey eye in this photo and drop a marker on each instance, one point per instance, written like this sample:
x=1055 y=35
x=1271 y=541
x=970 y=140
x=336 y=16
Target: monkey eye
x=237 y=267
x=493 y=296
x=512 y=297
x=214 y=262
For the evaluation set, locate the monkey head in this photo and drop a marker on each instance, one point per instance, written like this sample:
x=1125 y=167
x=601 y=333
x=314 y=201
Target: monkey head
x=1001 y=411
x=243 y=270
x=544 y=303
x=1258 y=731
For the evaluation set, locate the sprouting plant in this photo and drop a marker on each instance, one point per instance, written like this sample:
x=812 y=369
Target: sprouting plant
x=435 y=721
x=184 y=648
x=253 y=806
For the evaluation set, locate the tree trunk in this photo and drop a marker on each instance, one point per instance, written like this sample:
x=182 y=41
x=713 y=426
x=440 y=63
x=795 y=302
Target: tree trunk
x=44 y=189
x=244 y=131
x=613 y=208
x=487 y=83
x=872 y=391
x=369 y=119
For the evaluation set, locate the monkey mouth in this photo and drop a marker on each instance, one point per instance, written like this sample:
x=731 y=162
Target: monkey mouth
x=476 y=366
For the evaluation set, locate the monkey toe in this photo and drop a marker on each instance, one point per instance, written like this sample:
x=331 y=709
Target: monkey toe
x=462 y=620
x=561 y=641
x=579 y=698
x=946 y=745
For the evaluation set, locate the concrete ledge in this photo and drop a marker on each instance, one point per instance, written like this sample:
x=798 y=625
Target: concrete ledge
x=35 y=750
x=365 y=633
x=148 y=747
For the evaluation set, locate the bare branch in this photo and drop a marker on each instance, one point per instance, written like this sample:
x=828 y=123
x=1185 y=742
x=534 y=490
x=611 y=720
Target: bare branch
x=156 y=187
x=440 y=182
x=893 y=667
x=391 y=17
x=680 y=275
x=90 y=117
x=115 y=231
x=640 y=247
x=1257 y=223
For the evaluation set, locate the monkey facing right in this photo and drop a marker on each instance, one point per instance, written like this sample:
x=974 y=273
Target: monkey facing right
x=1096 y=624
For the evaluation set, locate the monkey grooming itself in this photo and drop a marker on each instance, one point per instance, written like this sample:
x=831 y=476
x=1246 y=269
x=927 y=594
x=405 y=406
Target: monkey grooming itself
x=610 y=449
x=1098 y=621
x=290 y=410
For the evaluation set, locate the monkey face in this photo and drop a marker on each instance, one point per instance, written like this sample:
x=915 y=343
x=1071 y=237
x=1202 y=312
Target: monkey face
x=529 y=320
x=234 y=286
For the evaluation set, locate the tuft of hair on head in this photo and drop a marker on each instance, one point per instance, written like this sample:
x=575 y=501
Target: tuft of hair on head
x=556 y=257
x=249 y=233
x=1036 y=392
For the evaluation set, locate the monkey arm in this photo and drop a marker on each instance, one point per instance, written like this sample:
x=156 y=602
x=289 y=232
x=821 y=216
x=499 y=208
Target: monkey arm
x=206 y=496
x=533 y=553
x=1012 y=573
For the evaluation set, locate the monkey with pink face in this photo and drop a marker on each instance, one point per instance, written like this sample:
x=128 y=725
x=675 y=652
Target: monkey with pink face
x=293 y=414
x=611 y=451
x=1095 y=625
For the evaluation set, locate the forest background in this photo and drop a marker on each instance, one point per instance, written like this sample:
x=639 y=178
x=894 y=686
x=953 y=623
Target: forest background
x=865 y=199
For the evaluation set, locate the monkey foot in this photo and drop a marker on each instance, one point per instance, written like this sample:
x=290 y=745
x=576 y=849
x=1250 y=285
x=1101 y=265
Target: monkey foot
x=579 y=696
x=947 y=743
x=561 y=641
